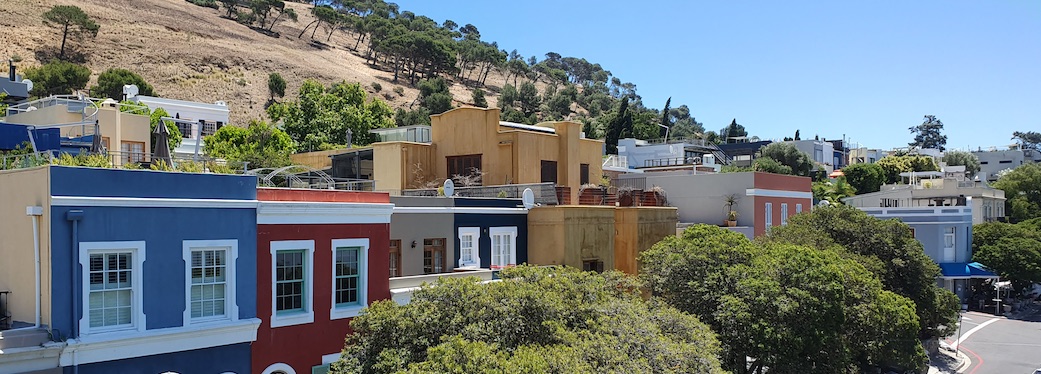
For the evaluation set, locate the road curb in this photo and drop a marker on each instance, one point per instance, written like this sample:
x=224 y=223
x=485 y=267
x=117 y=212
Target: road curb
x=965 y=362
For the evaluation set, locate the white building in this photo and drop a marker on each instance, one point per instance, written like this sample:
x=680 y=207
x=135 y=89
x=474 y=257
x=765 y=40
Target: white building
x=198 y=120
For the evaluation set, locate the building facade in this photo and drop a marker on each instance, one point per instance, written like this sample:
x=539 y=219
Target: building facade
x=195 y=120
x=988 y=203
x=761 y=200
x=596 y=238
x=946 y=236
x=137 y=270
x=474 y=147
x=322 y=256
x=993 y=162
x=433 y=235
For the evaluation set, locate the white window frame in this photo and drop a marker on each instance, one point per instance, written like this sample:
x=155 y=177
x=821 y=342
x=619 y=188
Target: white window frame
x=950 y=236
x=137 y=317
x=769 y=210
x=798 y=208
x=307 y=316
x=363 y=278
x=231 y=306
x=475 y=248
x=784 y=214
x=510 y=231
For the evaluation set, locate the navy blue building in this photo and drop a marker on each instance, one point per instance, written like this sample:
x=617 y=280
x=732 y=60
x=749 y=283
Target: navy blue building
x=144 y=271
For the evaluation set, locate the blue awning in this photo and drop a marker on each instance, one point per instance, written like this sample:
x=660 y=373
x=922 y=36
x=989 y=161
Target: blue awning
x=965 y=270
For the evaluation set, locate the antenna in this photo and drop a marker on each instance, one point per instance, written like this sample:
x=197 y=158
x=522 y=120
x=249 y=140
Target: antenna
x=528 y=198
x=449 y=187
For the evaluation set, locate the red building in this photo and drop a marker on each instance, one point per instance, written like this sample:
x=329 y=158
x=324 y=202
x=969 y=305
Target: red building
x=322 y=256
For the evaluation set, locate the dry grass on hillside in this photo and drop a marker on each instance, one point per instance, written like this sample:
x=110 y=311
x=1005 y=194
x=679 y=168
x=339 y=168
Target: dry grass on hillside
x=192 y=53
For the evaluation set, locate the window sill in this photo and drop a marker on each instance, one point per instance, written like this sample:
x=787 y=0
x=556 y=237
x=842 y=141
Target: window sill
x=291 y=319
x=346 y=312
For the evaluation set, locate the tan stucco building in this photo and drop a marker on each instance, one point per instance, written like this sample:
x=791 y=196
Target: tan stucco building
x=467 y=139
x=125 y=134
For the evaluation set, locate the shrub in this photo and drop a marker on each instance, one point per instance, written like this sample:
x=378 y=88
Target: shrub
x=400 y=91
x=111 y=82
x=205 y=3
x=376 y=86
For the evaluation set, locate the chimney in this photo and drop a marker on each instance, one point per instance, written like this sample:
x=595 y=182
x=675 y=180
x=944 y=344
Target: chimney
x=10 y=63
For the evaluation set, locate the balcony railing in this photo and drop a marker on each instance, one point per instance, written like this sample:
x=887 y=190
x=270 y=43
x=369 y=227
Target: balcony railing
x=616 y=161
x=545 y=193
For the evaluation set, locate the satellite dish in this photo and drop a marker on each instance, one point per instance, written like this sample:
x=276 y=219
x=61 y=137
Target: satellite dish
x=28 y=84
x=130 y=91
x=823 y=203
x=449 y=187
x=528 y=198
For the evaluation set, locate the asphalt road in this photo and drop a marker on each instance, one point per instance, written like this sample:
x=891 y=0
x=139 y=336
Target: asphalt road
x=1002 y=346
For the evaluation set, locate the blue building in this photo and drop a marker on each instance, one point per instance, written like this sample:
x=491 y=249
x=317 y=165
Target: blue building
x=135 y=271
x=946 y=236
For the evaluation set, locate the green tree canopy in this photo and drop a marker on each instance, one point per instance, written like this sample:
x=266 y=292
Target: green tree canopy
x=175 y=133
x=798 y=162
x=536 y=320
x=1010 y=250
x=832 y=191
x=276 y=85
x=435 y=96
x=865 y=178
x=57 y=78
x=260 y=144
x=111 y=82
x=962 y=158
x=1022 y=188
x=886 y=248
x=928 y=134
x=1028 y=139
x=478 y=98
x=733 y=130
x=789 y=308
x=72 y=21
x=320 y=117
x=892 y=166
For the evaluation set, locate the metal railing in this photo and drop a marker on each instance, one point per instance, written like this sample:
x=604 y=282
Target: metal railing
x=22 y=161
x=74 y=104
x=545 y=193
x=616 y=161
x=674 y=161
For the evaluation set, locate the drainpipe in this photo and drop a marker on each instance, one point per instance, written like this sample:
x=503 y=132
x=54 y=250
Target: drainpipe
x=74 y=216
x=35 y=212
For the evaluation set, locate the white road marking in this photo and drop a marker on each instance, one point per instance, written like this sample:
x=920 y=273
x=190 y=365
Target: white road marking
x=969 y=333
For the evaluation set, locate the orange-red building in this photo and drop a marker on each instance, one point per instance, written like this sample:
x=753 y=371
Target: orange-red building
x=322 y=256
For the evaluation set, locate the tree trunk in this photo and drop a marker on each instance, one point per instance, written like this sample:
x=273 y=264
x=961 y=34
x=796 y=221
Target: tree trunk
x=64 y=35
x=305 y=29
x=316 y=29
x=331 y=31
x=361 y=36
x=397 y=67
x=272 y=25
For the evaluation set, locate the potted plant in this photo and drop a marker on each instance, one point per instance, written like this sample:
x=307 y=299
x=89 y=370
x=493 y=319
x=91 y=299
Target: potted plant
x=591 y=194
x=731 y=220
x=626 y=196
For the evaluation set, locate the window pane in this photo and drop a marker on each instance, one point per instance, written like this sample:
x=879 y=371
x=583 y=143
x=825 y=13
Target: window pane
x=289 y=283
x=110 y=297
x=347 y=275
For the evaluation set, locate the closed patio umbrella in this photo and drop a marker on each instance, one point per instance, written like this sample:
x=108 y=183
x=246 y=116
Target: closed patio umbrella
x=162 y=144
x=95 y=144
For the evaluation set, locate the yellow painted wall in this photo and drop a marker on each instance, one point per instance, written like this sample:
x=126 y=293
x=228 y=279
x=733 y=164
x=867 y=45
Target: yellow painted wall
x=22 y=188
x=57 y=114
x=638 y=229
x=124 y=127
x=568 y=235
x=320 y=160
x=402 y=165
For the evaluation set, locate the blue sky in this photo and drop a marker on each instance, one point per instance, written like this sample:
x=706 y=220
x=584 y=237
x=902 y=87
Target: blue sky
x=868 y=70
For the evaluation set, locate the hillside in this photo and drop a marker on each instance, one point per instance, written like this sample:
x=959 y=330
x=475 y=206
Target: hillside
x=192 y=53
